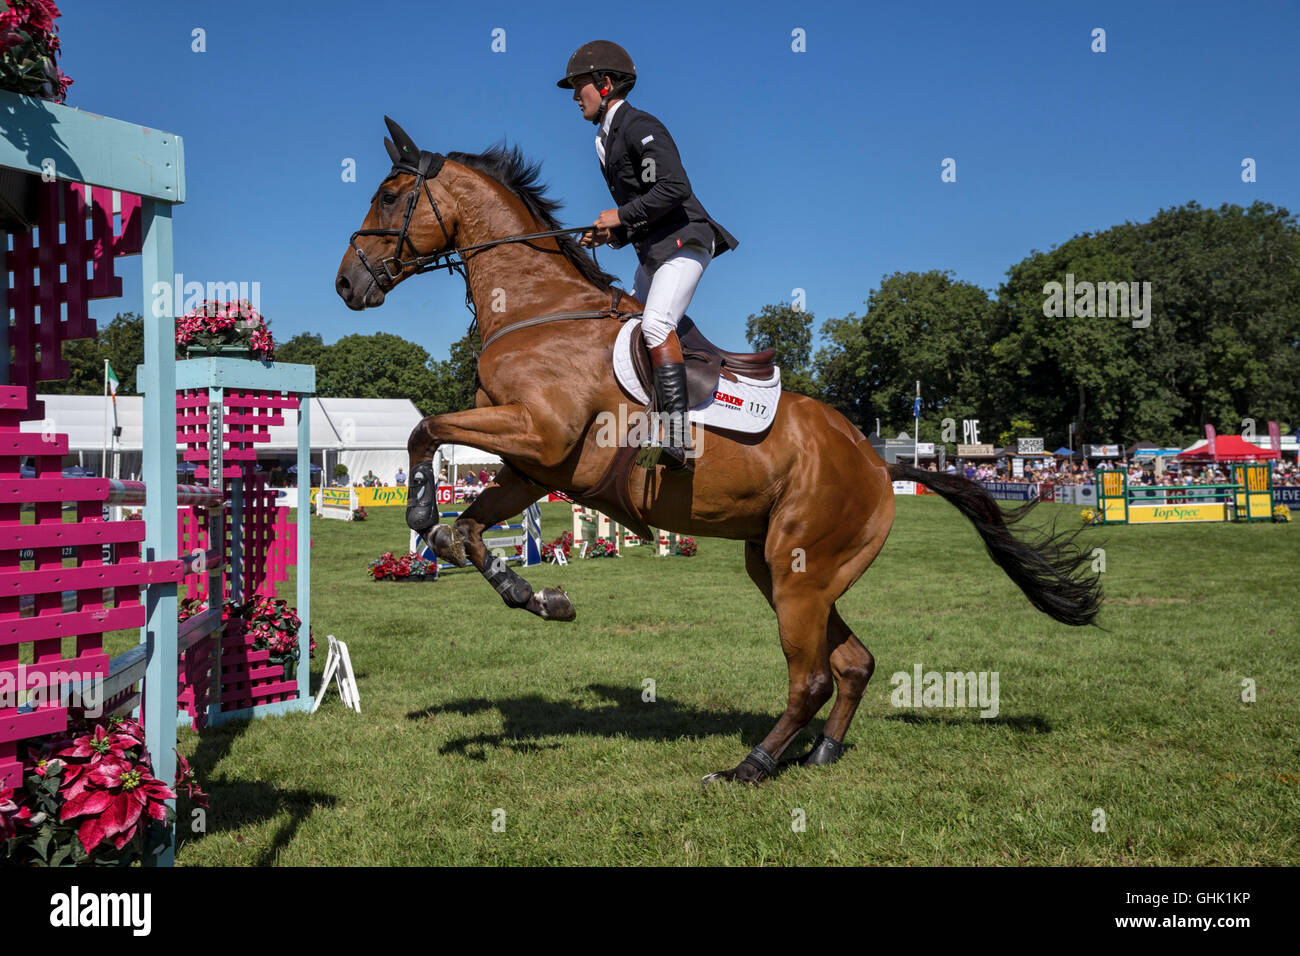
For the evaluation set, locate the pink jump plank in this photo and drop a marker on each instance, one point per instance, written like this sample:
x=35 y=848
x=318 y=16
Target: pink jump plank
x=13 y=397
x=26 y=490
x=72 y=669
x=34 y=723
x=140 y=574
x=52 y=534
x=70 y=623
x=32 y=443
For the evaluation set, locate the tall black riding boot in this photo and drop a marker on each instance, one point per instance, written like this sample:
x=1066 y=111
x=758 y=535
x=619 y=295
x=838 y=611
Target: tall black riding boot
x=670 y=385
x=670 y=392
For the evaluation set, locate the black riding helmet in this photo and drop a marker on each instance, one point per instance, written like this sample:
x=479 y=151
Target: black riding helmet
x=601 y=57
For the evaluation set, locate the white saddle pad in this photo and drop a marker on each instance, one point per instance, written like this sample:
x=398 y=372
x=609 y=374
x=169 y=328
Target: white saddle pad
x=746 y=405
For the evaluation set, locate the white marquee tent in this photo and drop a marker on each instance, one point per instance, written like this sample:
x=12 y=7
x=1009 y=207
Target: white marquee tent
x=364 y=434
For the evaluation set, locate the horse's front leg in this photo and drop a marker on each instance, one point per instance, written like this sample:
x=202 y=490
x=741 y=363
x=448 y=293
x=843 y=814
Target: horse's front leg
x=509 y=495
x=505 y=430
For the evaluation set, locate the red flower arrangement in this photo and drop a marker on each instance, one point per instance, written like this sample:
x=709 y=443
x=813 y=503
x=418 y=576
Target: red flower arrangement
x=388 y=567
x=564 y=542
x=89 y=798
x=686 y=547
x=602 y=548
x=214 y=325
x=273 y=624
x=29 y=50
x=360 y=513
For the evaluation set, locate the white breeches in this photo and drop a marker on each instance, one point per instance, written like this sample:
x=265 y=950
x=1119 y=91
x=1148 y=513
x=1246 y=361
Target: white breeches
x=667 y=292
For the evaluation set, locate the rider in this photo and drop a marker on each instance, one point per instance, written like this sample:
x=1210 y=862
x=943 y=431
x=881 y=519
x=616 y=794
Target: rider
x=674 y=236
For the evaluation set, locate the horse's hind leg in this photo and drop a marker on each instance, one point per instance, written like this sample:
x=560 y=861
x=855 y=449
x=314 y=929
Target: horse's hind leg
x=819 y=648
x=852 y=665
x=802 y=609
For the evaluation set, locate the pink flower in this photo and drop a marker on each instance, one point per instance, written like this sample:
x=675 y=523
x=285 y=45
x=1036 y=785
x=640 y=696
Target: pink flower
x=10 y=814
x=116 y=797
x=101 y=746
x=41 y=14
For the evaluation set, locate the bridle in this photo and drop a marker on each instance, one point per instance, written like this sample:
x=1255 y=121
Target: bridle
x=453 y=258
x=425 y=168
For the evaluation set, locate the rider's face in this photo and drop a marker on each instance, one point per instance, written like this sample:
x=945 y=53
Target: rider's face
x=587 y=96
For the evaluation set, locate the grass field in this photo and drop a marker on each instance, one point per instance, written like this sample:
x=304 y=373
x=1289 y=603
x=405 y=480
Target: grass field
x=471 y=709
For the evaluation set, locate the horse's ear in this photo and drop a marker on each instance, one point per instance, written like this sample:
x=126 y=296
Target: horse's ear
x=410 y=152
x=394 y=153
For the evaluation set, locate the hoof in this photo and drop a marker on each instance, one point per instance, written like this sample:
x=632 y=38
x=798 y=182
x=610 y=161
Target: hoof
x=448 y=544
x=755 y=768
x=824 y=751
x=552 y=604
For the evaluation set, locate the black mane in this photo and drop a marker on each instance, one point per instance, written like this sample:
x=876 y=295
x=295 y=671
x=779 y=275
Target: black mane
x=507 y=165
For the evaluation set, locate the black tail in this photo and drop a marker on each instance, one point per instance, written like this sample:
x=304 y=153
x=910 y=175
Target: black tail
x=1047 y=569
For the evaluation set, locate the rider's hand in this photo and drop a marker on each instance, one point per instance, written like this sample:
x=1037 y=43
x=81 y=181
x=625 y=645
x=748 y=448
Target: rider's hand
x=601 y=230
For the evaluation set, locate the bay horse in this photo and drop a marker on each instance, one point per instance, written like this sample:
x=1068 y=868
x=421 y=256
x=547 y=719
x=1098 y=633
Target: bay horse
x=811 y=499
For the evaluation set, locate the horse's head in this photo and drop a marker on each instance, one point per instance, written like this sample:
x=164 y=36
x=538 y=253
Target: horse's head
x=411 y=221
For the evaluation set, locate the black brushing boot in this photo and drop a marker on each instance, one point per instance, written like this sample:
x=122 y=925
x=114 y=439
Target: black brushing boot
x=421 y=499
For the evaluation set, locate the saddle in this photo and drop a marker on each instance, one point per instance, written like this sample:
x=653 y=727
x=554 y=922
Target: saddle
x=704 y=363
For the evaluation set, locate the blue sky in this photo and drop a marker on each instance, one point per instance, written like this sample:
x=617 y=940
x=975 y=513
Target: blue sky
x=825 y=164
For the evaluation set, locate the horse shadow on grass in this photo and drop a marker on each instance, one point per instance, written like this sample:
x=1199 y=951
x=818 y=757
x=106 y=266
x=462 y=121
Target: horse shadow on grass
x=1024 y=724
x=625 y=714
x=236 y=805
x=530 y=717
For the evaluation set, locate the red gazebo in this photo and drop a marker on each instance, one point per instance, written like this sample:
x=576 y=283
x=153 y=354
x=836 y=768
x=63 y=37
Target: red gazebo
x=1227 y=448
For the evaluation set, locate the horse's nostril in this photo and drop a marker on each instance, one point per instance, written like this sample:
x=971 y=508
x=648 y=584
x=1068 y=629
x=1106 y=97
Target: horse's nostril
x=343 y=285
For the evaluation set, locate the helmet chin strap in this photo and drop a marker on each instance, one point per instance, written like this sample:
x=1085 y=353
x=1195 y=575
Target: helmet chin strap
x=604 y=105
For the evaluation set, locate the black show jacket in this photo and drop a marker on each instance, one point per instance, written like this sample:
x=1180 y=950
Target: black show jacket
x=658 y=211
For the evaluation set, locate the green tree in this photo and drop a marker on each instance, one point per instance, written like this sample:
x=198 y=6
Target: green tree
x=305 y=348
x=121 y=342
x=789 y=331
x=1055 y=370
x=380 y=365
x=457 y=377
x=918 y=326
x=1020 y=428
x=1220 y=346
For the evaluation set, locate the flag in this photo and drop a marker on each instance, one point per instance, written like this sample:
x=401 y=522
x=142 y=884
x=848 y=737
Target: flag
x=916 y=407
x=111 y=377
x=1210 y=443
x=1275 y=437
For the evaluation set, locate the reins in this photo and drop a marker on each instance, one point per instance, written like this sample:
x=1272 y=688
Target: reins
x=453 y=259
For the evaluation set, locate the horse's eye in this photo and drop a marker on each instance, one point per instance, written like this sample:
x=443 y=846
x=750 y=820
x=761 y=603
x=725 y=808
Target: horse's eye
x=388 y=198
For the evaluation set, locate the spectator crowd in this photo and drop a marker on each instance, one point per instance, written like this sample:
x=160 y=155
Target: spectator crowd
x=1062 y=471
